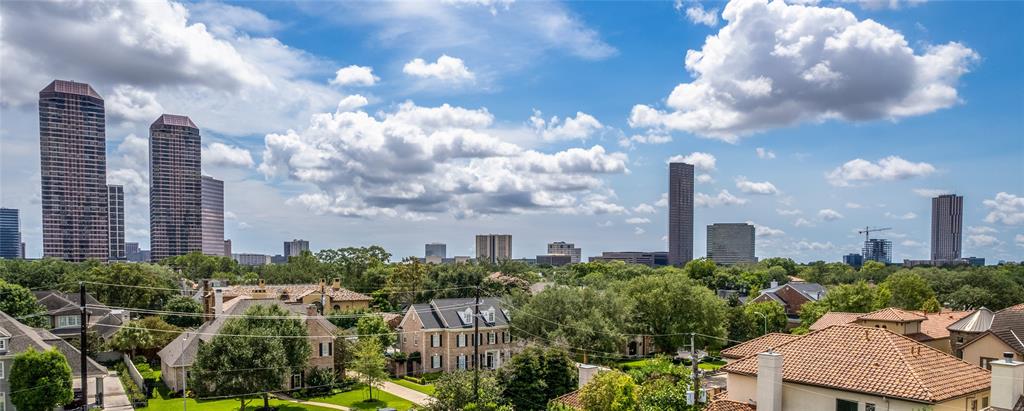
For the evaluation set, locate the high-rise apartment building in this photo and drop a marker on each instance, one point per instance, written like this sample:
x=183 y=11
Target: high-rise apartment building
x=878 y=249
x=131 y=248
x=947 y=224
x=564 y=248
x=175 y=187
x=680 y=213
x=115 y=221
x=213 y=216
x=493 y=248
x=73 y=160
x=853 y=260
x=731 y=243
x=439 y=250
x=227 y=248
x=10 y=233
x=295 y=248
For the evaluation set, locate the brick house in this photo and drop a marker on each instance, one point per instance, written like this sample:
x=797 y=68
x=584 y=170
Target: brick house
x=438 y=336
x=792 y=296
x=1004 y=336
x=328 y=296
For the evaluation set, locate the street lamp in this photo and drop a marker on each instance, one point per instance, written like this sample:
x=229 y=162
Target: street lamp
x=765 y=321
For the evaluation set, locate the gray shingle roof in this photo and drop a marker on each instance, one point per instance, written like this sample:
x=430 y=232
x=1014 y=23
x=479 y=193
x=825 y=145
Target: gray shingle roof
x=24 y=337
x=445 y=313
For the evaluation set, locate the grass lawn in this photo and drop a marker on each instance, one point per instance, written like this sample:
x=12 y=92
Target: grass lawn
x=632 y=363
x=357 y=399
x=711 y=365
x=426 y=389
x=160 y=402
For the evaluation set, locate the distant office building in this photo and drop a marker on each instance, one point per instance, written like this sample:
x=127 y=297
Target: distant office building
x=564 y=248
x=131 y=248
x=493 y=248
x=295 y=248
x=10 y=233
x=975 y=261
x=680 y=213
x=139 y=256
x=439 y=250
x=227 y=248
x=947 y=224
x=175 y=187
x=648 y=258
x=433 y=259
x=731 y=243
x=278 y=259
x=554 y=260
x=878 y=249
x=115 y=222
x=252 y=259
x=73 y=157
x=213 y=216
x=459 y=259
x=22 y=254
x=854 y=260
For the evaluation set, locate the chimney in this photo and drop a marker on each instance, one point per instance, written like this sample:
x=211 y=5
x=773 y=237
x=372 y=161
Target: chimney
x=769 y=381
x=218 y=302
x=262 y=283
x=587 y=373
x=311 y=310
x=336 y=284
x=323 y=284
x=1007 y=382
x=774 y=284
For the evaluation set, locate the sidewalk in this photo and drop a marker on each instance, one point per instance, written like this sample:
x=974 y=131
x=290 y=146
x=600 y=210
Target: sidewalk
x=283 y=397
x=409 y=394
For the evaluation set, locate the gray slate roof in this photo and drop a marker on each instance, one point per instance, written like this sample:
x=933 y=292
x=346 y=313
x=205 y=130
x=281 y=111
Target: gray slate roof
x=813 y=291
x=444 y=313
x=24 y=337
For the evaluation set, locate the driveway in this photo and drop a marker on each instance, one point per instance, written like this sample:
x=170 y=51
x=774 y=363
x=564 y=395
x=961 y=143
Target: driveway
x=399 y=391
x=114 y=398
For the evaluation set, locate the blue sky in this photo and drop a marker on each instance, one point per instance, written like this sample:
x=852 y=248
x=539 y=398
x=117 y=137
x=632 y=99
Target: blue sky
x=860 y=111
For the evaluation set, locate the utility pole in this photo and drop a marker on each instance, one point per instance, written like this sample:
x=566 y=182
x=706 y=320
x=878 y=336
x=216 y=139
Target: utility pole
x=476 y=346
x=765 y=321
x=184 y=380
x=84 y=346
x=693 y=363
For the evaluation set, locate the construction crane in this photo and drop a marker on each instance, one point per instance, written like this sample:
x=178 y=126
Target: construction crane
x=868 y=230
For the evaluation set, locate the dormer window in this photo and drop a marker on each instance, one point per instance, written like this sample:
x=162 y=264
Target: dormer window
x=3 y=344
x=466 y=316
x=489 y=315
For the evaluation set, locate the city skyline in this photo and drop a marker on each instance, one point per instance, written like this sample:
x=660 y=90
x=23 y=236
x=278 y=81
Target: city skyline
x=546 y=153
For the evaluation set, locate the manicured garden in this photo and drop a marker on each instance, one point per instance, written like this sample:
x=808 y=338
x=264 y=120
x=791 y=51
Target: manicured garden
x=358 y=398
x=162 y=401
x=424 y=388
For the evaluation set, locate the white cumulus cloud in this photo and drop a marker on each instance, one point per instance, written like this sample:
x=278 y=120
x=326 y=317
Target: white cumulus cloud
x=764 y=153
x=1005 y=208
x=580 y=127
x=905 y=216
x=638 y=220
x=446 y=68
x=858 y=171
x=698 y=15
x=723 y=198
x=754 y=187
x=930 y=192
x=700 y=161
x=775 y=64
x=828 y=214
x=355 y=76
x=220 y=154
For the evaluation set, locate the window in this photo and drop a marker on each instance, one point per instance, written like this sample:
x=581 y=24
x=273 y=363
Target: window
x=435 y=340
x=844 y=405
x=985 y=363
x=435 y=361
x=1 y=370
x=296 y=380
x=3 y=401
x=984 y=402
x=69 y=321
x=460 y=340
x=492 y=338
x=869 y=406
x=3 y=344
x=462 y=361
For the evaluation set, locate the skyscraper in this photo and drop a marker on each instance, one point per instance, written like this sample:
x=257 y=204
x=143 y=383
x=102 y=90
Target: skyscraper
x=878 y=249
x=10 y=233
x=731 y=243
x=436 y=250
x=295 y=248
x=175 y=187
x=853 y=260
x=115 y=220
x=680 y=213
x=213 y=216
x=73 y=159
x=493 y=248
x=564 y=248
x=947 y=224
x=227 y=248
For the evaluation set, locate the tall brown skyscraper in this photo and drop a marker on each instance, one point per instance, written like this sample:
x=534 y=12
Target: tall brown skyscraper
x=73 y=158
x=947 y=224
x=175 y=187
x=680 y=213
x=493 y=248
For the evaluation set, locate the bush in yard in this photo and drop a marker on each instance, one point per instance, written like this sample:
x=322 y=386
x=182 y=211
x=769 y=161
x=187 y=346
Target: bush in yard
x=40 y=380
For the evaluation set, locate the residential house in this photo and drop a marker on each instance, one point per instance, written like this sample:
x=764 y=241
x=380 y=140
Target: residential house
x=330 y=297
x=16 y=338
x=926 y=328
x=438 y=336
x=792 y=296
x=969 y=328
x=760 y=344
x=1007 y=385
x=65 y=315
x=178 y=357
x=1005 y=335
x=853 y=368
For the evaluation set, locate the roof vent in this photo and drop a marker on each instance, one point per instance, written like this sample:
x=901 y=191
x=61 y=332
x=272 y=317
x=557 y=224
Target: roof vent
x=1008 y=357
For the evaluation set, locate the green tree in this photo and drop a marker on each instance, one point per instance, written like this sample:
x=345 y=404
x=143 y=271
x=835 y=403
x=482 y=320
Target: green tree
x=198 y=266
x=610 y=391
x=20 y=303
x=368 y=362
x=785 y=263
x=375 y=326
x=859 y=297
x=257 y=351
x=162 y=333
x=342 y=356
x=752 y=319
x=182 y=304
x=40 y=380
x=144 y=286
x=585 y=320
x=701 y=269
x=453 y=391
x=670 y=305
x=359 y=268
x=405 y=281
x=905 y=289
x=537 y=375
x=663 y=394
x=288 y=327
x=131 y=337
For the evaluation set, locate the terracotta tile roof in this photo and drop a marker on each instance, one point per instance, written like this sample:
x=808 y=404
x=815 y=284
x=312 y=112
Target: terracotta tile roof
x=757 y=345
x=937 y=324
x=873 y=361
x=295 y=292
x=834 y=318
x=892 y=314
x=729 y=405
x=571 y=400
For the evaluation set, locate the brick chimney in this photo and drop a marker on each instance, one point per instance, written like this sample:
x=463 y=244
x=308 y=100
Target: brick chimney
x=769 y=381
x=587 y=373
x=336 y=284
x=218 y=302
x=1007 y=382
